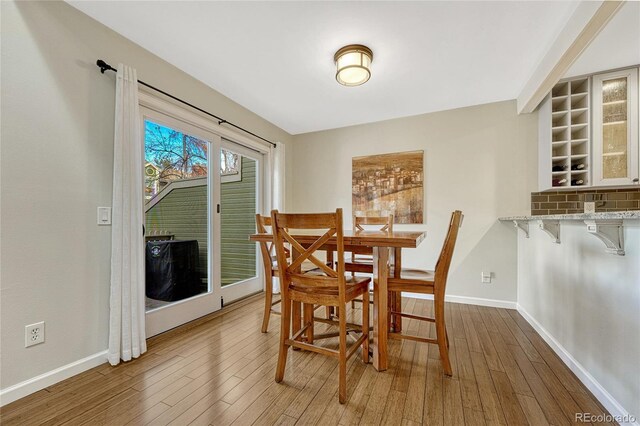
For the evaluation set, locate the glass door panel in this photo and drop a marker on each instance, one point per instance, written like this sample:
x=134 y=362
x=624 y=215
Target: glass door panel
x=176 y=215
x=239 y=199
x=615 y=124
x=614 y=128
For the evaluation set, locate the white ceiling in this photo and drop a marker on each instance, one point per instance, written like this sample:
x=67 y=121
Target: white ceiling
x=618 y=45
x=276 y=58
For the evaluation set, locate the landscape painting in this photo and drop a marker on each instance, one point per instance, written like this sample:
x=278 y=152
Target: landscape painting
x=389 y=184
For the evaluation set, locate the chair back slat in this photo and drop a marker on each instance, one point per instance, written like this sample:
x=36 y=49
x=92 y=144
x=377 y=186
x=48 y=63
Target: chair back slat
x=307 y=253
x=325 y=275
x=266 y=249
x=444 y=261
x=306 y=220
x=386 y=222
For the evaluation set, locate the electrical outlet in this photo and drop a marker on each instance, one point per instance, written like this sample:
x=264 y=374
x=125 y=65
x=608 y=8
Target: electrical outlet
x=34 y=334
x=486 y=277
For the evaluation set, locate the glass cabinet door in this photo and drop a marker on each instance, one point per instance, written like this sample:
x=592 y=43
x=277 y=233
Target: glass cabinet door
x=615 y=137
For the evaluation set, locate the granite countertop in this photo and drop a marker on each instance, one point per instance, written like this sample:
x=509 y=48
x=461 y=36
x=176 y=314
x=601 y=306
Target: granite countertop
x=633 y=214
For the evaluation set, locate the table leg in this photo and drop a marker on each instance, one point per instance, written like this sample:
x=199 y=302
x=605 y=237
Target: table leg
x=380 y=307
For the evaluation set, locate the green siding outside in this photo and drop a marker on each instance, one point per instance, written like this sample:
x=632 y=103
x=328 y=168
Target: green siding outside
x=238 y=219
x=183 y=212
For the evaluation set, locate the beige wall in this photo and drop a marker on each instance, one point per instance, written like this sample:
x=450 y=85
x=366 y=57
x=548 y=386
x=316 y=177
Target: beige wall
x=481 y=160
x=56 y=168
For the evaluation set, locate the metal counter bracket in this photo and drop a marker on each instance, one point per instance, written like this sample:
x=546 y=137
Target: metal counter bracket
x=551 y=227
x=523 y=225
x=610 y=232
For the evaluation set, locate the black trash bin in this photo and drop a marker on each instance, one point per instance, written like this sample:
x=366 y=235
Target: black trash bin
x=172 y=270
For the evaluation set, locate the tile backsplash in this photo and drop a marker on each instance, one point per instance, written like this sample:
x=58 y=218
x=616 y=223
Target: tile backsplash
x=566 y=202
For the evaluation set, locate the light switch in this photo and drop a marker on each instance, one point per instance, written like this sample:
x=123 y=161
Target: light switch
x=486 y=277
x=104 y=215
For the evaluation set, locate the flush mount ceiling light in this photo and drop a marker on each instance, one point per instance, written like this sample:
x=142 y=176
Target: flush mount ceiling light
x=353 y=63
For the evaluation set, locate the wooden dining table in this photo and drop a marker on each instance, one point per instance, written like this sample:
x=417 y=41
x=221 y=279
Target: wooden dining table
x=386 y=248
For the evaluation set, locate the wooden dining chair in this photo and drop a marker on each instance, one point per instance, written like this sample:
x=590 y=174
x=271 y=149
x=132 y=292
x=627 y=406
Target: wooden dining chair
x=326 y=285
x=270 y=270
x=429 y=282
x=362 y=261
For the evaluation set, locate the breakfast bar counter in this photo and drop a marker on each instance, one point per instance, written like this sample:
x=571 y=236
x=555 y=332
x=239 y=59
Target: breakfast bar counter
x=607 y=226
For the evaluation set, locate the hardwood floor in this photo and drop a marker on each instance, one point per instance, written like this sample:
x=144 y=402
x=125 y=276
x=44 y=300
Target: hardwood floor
x=220 y=370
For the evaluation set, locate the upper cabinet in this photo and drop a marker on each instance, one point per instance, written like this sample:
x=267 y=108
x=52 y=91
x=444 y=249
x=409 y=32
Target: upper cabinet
x=588 y=132
x=615 y=128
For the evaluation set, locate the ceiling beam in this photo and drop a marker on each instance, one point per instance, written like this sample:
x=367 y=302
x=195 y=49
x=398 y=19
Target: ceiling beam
x=586 y=22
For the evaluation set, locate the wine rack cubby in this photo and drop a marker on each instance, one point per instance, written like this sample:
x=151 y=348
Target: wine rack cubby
x=570 y=138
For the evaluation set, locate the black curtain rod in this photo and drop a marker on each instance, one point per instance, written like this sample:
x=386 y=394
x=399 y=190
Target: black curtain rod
x=106 y=67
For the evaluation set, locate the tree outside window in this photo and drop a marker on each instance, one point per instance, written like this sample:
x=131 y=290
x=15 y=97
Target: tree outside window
x=171 y=155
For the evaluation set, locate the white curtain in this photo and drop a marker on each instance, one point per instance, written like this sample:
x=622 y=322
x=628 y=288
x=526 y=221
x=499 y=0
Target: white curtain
x=277 y=189
x=127 y=301
x=278 y=176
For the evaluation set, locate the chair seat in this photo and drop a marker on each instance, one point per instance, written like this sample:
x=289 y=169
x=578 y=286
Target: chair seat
x=414 y=280
x=416 y=274
x=355 y=286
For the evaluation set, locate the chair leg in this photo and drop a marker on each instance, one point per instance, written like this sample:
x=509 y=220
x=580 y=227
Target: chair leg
x=441 y=336
x=365 y=327
x=353 y=302
x=342 y=387
x=308 y=319
x=285 y=330
x=267 y=305
x=329 y=310
x=390 y=306
x=398 y=319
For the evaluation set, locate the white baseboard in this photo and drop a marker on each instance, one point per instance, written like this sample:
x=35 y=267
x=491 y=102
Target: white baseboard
x=22 y=389
x=605 y=398
x=494 y=303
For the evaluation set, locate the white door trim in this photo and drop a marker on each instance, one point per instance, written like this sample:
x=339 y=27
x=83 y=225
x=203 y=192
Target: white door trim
x=200 y=120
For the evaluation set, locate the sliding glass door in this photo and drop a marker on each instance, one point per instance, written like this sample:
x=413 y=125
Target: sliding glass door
x=240 y=200
x=201 y=197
